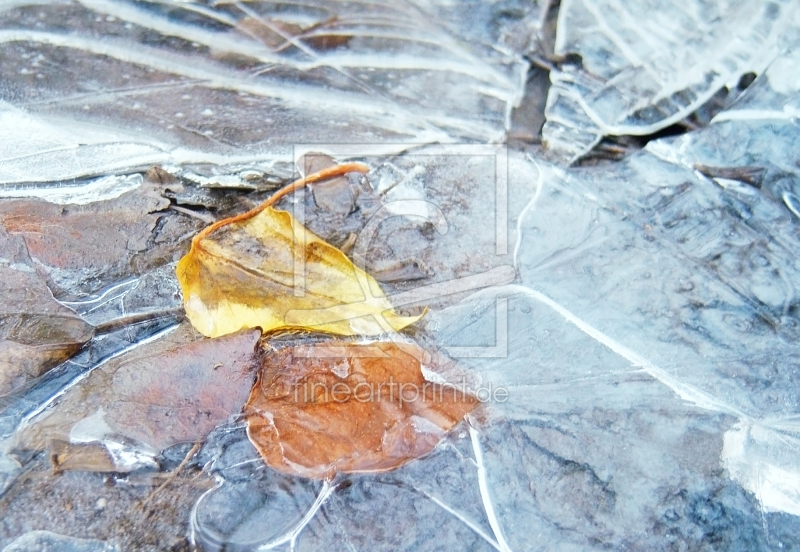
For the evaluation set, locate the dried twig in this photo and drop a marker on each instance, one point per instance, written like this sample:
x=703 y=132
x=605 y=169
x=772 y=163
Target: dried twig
x=174 y=473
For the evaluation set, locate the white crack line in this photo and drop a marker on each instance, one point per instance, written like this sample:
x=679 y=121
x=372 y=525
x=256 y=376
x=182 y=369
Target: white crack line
x=529 y=207
x=465 y=521
x=291 y=535
x=483 y=485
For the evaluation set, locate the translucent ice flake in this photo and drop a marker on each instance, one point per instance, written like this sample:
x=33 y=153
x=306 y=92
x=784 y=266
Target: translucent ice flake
x=753 y=144
x=79 y=193
x=506 y=26
x=763 y=460
x=646 y=65
x=273 y=510
x=677 y=267
x=37 y=541
x=150 y=295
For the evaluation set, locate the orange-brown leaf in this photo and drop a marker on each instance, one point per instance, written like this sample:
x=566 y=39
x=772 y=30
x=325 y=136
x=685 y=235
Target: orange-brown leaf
x=343 y=407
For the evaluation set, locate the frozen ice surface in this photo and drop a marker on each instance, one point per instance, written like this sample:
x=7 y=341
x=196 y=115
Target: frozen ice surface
x=652 y=344
x=510 y=26
x=648 y=346
x=98 y=86
x=21 y=407
x=125 y=400
x=45 y=541
x=756 y=135
x=646 y=65
x=427 y=505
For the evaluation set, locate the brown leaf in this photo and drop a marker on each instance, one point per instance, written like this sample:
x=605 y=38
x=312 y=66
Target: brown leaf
x=344 y=407
x=83 y=248
x=183 y=393
x=174 y=390
x=36 y=332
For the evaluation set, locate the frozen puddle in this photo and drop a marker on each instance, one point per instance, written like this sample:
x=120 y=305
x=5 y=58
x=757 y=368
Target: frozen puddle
x=630 y=328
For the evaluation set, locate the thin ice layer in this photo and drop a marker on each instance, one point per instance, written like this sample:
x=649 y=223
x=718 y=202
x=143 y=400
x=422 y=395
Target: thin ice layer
x=84 y=248
x=650 y=360
x=178 y=82
x=427 y=505
x=35 y=541
x=36 y=332
x=749 y=153
x=507 y=26
x=652 y=345
x=646 y=65
x=750 y=145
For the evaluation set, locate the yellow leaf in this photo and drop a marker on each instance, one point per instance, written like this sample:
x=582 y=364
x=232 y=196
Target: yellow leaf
x=254 y=269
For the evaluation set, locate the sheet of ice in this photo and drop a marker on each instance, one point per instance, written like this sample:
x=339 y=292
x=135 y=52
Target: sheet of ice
x=105 y=85
x=647 y=65
x=42 y=541
x=652 y=345
x=759 y=133
x=96 y=189
x=648 y=348
x=512 y=27
x=33 y=150
x=17 y=409
x=428 y=505
x=124 y=407
x=650 y=395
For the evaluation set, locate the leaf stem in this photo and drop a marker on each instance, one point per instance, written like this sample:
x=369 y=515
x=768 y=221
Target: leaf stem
x=324 y=174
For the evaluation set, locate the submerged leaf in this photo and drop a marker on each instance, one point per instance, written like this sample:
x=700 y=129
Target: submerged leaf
x=321 y=409
x=176 y=390
x=81 y=249
x=181 y=394
x=252 y=270
x=36 y=331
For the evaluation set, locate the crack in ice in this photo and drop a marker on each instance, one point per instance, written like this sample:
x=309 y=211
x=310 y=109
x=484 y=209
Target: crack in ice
x=483 y=485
